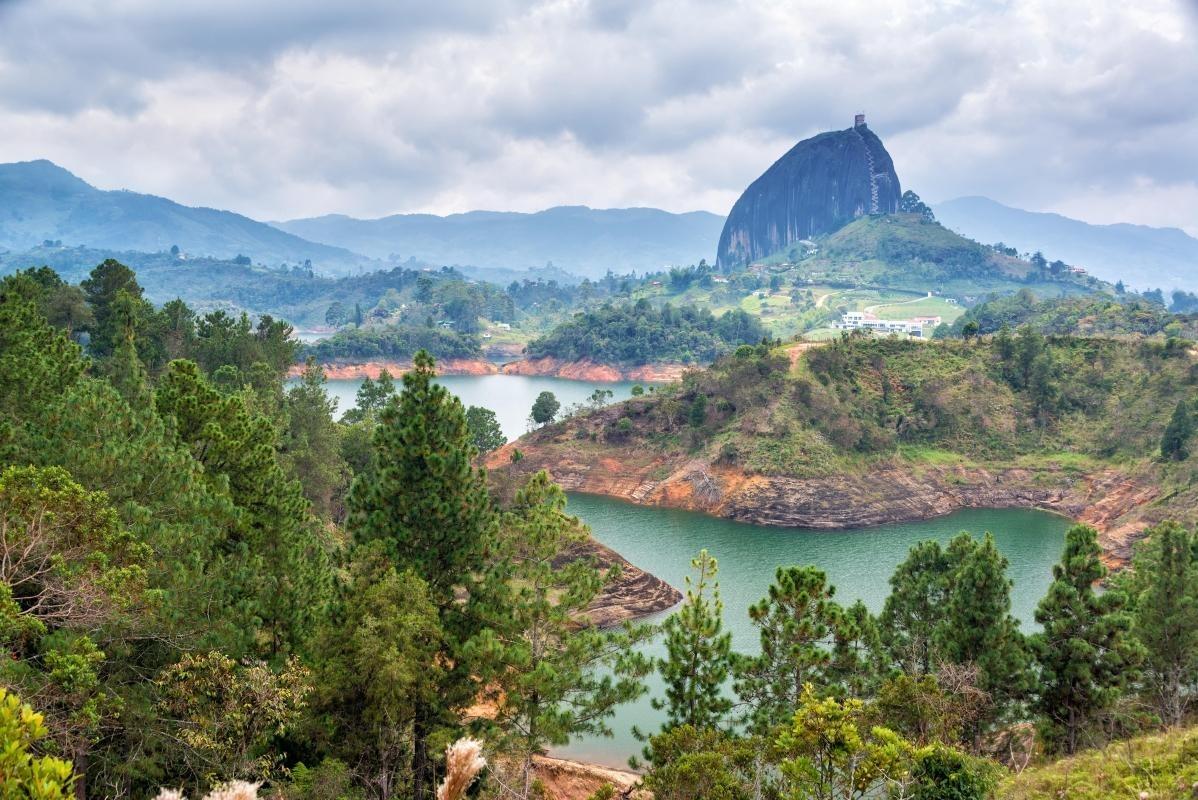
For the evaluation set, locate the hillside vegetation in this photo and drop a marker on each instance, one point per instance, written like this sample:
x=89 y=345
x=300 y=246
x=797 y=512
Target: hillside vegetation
x=913 y=252
x=1160 y=766
x=1091 y=315
x=641 y=334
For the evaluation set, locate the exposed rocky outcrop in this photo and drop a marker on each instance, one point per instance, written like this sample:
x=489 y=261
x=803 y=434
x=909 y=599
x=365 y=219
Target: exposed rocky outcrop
x=372 y=369
x=820 y=185
x=634 y=594
x=574 y=780
x=1115 y=503
x=588 y=370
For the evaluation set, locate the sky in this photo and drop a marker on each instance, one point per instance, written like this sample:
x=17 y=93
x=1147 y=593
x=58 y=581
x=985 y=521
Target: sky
x=281 y=109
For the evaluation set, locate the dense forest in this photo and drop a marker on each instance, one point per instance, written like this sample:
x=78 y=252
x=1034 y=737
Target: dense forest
x=641 y=334
x=207 y=578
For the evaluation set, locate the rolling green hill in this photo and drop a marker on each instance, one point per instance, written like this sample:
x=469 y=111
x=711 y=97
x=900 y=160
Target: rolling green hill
x=40 y=201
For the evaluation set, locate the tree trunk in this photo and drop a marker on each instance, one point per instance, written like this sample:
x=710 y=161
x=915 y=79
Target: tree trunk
x=421 y=767
x=80 y=768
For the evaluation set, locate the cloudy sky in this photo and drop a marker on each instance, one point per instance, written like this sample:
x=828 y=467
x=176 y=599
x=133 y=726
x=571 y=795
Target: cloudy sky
x=292 y=108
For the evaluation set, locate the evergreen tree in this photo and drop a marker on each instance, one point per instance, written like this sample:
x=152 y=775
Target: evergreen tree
x=698 y=654
x=918 y=589
x=485 y=433
x=976 y=625
x=423 y=499
x=380 y=663
x=551 y=687
x=285 y=555
x=1176 y=439
x=102 y=287
x=797 y=622
x=1164 y=590
x=313 y=445
x=1085 y=654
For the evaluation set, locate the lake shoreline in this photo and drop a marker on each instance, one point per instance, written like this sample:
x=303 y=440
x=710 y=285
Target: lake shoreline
x=1111 y=500
x=582 y=370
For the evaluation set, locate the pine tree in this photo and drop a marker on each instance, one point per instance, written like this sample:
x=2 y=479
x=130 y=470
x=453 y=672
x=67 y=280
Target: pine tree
x=1164 y=586
x=796 y=621
x=286 y=560
x=313 y=446
x=102 y=287
x=549 y=659
x=918 y=588
x=428 y=505
x=698 y=654
x=976 y=625
x=1085 y=654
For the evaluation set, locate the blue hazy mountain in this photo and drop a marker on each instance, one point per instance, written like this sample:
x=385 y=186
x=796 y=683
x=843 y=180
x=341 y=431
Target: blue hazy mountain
x=1139 y=255
x=581 y=240
x=41 y=201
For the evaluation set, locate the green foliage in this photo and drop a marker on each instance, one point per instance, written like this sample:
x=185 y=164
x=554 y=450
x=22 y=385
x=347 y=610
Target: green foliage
x=379 y=666
x=1176 y=438
x=230 y=715
x=427 y=505
x=285 y=570
x=398 y=343
x=797 y=622
x=312 y=444
x=698 y=654
x=641 y=334
x=942 y=773
x=545 y=408
x=549 y=661
x=485 y=433
x=1086 y=315
x=1163 y=591
x=829 y=752
x=23 y=775
x=1084 y=652
x=688 y=763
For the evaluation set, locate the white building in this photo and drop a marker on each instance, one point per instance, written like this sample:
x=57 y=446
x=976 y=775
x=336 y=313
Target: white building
x=854 y=320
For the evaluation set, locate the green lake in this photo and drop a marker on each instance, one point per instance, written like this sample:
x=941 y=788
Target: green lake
x=663 y=541
x=858 y=562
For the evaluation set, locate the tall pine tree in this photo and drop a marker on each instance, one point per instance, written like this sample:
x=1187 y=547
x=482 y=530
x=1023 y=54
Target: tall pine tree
x=1085 y=654
x=1164 y=587
x=698 y=654
x=428 y=505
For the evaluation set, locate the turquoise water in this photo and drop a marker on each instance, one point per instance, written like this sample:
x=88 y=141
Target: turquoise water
x=509 y=396
x=663 y=541
x=858 y=563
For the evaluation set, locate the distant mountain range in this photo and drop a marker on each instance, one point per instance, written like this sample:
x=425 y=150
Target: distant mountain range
x=1141 y=256
x=578 y=239
x=41 y=201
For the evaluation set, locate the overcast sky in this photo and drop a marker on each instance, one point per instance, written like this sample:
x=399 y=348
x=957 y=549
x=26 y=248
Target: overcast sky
x=301 y=107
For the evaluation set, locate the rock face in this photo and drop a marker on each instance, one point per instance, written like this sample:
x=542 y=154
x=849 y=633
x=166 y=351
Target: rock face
x=820 y=185
x=587 y=370
x=1117 y=504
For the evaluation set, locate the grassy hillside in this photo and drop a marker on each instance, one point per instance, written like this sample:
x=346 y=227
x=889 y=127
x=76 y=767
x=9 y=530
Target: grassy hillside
x=907 y=251
x=858 y=405
x=1161 y=767
x=1094 y=315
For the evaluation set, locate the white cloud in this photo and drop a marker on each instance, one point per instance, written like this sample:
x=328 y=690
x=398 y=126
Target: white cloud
x=286 y=109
